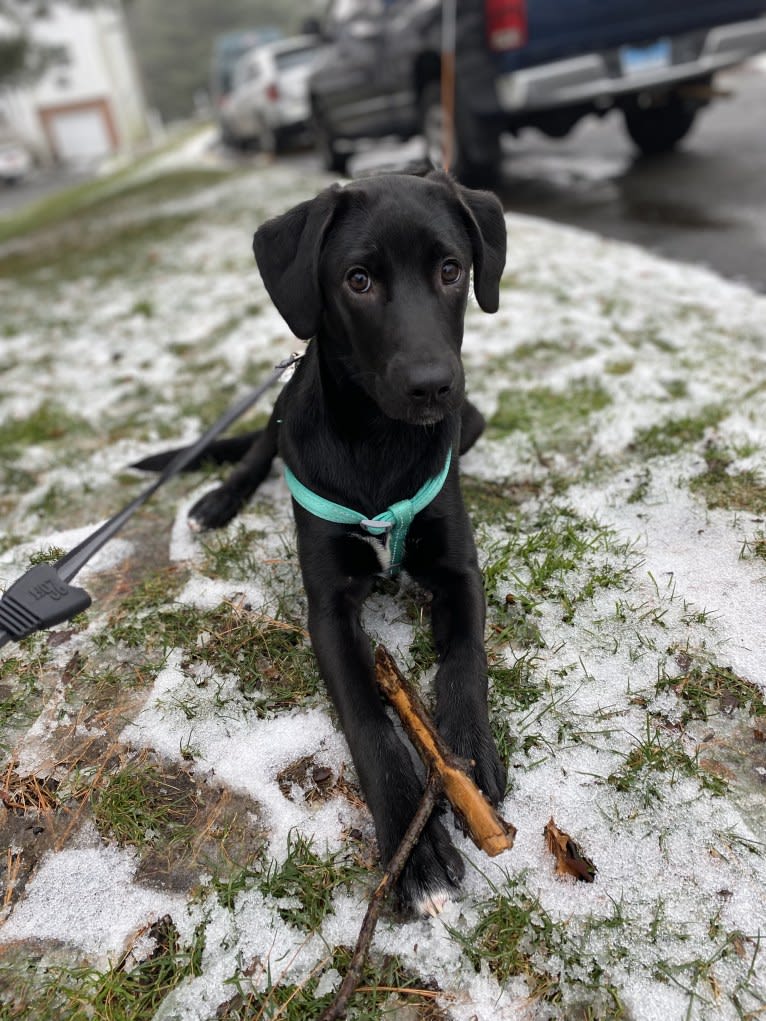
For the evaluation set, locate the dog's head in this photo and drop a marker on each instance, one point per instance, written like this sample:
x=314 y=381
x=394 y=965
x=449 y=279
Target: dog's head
x=379 y=272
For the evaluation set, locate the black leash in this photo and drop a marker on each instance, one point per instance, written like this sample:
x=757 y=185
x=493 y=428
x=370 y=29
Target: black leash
x=43 y=596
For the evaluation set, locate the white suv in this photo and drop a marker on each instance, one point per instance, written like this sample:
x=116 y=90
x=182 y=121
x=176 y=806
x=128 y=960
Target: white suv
x=268 y=103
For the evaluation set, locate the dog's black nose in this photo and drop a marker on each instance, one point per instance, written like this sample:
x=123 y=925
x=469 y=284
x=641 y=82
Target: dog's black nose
x=429 y=384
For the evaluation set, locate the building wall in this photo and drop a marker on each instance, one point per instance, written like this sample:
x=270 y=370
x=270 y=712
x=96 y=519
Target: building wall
x=90 y=107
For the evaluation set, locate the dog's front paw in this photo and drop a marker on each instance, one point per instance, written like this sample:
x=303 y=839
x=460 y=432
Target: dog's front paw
x=475 y=744
x=214 y=510
x=432 y=873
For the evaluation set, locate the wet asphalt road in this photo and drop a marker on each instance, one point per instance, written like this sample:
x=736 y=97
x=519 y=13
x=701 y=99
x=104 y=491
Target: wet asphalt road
x=37 y=186
x=704 y=203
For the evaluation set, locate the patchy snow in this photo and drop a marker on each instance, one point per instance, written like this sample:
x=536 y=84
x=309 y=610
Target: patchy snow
x=669 y=527
x=663 y=341
x=88 y=898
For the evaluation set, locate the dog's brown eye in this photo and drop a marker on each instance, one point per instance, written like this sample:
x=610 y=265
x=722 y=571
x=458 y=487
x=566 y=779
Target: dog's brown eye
x=358 y=280
x=451 y=271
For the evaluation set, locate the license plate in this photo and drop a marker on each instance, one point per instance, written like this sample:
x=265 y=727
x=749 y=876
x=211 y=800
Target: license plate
x=636 y=59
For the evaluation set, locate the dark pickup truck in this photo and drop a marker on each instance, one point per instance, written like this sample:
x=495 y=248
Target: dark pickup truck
x=523 y=63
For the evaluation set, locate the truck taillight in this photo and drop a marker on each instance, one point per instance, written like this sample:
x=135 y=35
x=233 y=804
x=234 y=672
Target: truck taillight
x=272 y=92
x=506 y=23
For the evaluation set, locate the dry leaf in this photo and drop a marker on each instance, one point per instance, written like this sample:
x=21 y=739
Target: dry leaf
x=738 y=942
x=570 y=861
x=717 y=769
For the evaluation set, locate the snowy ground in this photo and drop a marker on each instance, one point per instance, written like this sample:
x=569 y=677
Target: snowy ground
x=619 y=499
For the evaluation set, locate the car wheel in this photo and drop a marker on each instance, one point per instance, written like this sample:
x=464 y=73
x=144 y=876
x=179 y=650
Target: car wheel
x=658 y=129
x=475 y=150
x=267 y=139
x=228 y=138
x=333 y=159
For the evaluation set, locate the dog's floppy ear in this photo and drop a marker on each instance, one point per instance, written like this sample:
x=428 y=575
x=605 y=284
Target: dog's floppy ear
x=486 y=229
x=484 y=220
x=287 y=250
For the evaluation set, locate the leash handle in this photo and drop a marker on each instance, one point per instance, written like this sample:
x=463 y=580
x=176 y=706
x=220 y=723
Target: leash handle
x=43 y=596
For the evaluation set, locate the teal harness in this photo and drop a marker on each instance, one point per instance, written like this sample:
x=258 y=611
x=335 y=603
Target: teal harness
x=394 y=522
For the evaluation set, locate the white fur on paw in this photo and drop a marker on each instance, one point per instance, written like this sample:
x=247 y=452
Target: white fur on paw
x=433 y=903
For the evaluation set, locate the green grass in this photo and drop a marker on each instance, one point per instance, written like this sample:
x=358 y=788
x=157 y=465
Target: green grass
x=305 y=883
x=718 y=486
x=102 y=251
x=512 y=927
x=675 y=434
x=755 y=547
x=517 y=684
x=272 y=659
x=119 y=993
x=231 y=884
x=491 y=502
x=543 y=352
x=556 y=555
x=233 y=553
x=620 y=368
x=657 y=761
x=47 y=424
x=117 y=193
x=515 y=937
x=704 y=687
x=387 y=989
x=696 y=977
x=22 y=685
x=142 y=804
x=555 y=419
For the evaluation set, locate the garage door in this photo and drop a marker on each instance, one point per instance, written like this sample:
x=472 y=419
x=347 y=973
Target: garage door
x=80 y=135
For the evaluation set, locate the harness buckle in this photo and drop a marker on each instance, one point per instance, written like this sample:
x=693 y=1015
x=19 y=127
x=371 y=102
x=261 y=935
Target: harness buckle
x=372 y=523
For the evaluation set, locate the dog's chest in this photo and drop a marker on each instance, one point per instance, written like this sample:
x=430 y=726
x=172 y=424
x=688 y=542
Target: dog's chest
x=380 y=548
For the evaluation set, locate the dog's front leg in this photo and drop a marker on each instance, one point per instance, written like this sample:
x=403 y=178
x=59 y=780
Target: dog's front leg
x=218 y=506
x=444 y=561
x=337 y=572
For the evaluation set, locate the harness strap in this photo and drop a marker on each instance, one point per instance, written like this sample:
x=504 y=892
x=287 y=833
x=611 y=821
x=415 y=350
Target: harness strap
x=394 y=522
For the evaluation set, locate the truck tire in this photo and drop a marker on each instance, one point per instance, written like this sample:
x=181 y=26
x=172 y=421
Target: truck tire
x=476 y=150
x=658 y=129
x=333 y=160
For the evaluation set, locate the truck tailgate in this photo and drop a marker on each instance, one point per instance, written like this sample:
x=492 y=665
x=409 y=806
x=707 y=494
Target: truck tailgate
x=565 y=28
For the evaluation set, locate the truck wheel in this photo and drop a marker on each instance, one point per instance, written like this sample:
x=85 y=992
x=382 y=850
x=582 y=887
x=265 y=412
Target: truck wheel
x=660 y=128
x=333 y=159
x=476 y=150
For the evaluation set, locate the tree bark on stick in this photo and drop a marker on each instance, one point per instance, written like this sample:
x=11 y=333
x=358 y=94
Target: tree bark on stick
x=339 y=1005
x=491 y=833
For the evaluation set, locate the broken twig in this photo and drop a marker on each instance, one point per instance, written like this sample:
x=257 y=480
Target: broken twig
x=431 y=794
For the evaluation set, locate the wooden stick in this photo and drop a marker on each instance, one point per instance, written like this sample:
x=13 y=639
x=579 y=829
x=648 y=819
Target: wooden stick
x=486 y=828
x=431 y=794
x=446 y=775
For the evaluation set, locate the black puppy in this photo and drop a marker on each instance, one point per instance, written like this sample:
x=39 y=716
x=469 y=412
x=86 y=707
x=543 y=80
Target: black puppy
x=376 y=274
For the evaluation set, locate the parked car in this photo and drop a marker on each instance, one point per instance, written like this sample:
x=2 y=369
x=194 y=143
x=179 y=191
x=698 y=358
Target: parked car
x=15 y=160
x=523 y=63
x=269 y=103
x=227 y=50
